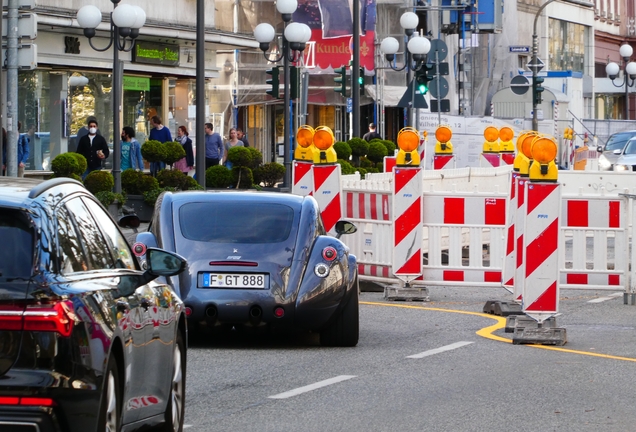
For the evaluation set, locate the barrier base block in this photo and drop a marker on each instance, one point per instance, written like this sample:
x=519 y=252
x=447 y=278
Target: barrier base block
x=629 y=299
x=502 y=308
x=406 y=293
x=539 y=336
x=522 y=321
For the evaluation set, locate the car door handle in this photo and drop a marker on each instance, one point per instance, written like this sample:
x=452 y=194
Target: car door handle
x=122 y=306
x=145 y=303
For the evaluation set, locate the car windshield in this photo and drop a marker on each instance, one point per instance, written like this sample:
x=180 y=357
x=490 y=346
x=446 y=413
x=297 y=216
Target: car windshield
x=16 y=255
x=618 y=140
x=236 y=222
x=630 y=148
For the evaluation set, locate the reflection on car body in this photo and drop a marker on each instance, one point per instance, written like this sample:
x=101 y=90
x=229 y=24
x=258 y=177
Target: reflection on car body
x=258 y=260
x=88 y=341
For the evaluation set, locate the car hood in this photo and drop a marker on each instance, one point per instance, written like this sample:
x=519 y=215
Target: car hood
x=626 y=160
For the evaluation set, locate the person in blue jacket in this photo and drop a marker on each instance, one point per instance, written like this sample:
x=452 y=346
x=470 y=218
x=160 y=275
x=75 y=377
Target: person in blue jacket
x=130 y=150
x=23 y=152
x=159 y=133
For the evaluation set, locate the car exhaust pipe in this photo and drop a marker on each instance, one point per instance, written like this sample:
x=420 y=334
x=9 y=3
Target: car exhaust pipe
x=256 y=314
x=211 y=314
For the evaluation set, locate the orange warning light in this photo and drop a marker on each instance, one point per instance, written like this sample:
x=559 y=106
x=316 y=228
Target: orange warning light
x=491 y=134
x=544 y=149
x=323 y=137
x=408 y=139
x=305 y=136
x=443 y=134
x=506 y=134
x=526 y=145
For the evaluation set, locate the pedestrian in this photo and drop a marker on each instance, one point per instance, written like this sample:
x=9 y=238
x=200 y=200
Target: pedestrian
x=83 y=131
x=213 y=146
x=130 y=150
x=234 y=141
x=23 y=151
x=242 y=137
x=94 y=148
x=372 y=134
x=186 y=163
x=158 y=133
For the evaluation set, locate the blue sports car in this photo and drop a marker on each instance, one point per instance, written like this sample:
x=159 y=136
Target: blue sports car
x=258 y=259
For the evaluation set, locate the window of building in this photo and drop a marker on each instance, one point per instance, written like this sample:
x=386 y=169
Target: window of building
x=566 y=46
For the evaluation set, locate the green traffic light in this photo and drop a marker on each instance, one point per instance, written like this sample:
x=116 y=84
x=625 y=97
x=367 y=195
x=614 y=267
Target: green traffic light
x=423 y=89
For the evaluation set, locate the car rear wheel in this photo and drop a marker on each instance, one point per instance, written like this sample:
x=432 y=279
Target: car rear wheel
x=344 y=331
x=175 y=409
x=110 y=410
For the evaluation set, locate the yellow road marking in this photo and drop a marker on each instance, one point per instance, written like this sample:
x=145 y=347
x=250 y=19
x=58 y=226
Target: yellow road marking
x=487 y=332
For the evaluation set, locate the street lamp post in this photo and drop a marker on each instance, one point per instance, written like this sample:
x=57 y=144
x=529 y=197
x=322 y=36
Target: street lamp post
x=415 y=53
x=295 y=36
x=629 y=76
x=125 y=22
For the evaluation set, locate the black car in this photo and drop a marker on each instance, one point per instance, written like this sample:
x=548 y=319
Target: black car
x=88 y=340
x=258 y=260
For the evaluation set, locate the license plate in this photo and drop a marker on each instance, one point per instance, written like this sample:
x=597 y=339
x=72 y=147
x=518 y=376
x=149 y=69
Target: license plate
x=235 y=280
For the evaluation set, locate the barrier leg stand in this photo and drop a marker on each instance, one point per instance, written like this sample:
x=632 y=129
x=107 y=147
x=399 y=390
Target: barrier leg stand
x=407 y=219
x=541 y=270
x=513 y=257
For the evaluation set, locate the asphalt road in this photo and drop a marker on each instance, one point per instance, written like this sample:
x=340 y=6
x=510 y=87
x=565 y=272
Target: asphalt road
x=464 y=375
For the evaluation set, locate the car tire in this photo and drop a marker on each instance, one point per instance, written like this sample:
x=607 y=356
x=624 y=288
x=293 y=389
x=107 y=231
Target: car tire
x=110 y=408
x=345 y=329
x=175 y=409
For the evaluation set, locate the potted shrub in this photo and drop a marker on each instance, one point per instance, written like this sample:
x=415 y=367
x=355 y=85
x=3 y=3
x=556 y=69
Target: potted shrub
x=68 y=165
x=154 y=151
x=242 y=160
x=174 y=152
x=269 y=174
x=218 y=177
x=135 y=184
x=359 y=148
x=342 y=150
x=377 y=151
x=100 y=184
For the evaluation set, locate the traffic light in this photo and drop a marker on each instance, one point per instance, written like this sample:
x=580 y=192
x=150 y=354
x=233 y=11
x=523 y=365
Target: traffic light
x=274 y=81
x=294 y=81
x=422 y=78
x=537 y=89
x=361 y=81
x=342 y=80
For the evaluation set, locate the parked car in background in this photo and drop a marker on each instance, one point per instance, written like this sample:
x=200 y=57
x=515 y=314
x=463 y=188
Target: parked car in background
x=627 y=160
x=88 y=340
x=258 y=260
x=613 y=149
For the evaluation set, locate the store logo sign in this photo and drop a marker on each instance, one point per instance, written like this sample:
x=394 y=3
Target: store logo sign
x=71 y=45
x=159 y=54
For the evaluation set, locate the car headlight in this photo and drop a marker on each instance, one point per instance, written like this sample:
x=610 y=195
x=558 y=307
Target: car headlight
x=321 y=270
x=603 y=162
x=622 y=168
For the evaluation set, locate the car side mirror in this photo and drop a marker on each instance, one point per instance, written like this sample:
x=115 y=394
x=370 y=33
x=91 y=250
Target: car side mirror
x=163 y=263
x=129 y=221
x=345 y=227
x=617 y=151
x=599 y=149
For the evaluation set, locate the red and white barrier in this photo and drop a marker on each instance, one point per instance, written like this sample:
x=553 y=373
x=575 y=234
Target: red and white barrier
x=490 y=160
x=407 y=226
x=302 y=178
x=327 y=194
x=443 y=161
x=507 y=158
x=510 y=261
x=541 y=242
x=448 y=220
x=367 y=205
x=519 y=228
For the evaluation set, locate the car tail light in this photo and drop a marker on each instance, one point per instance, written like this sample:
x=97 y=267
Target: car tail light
x=26 y=401
x=279 y=312
x=53 y=317
x=188 y=311
x=329 y=253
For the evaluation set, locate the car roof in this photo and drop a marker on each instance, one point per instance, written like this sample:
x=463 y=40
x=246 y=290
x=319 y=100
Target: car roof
x=16 y=191
x=291 y=200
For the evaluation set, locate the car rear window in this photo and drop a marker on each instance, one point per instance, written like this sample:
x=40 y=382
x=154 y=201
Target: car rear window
x=16 y=253
x=236 y=222
x=618 y=140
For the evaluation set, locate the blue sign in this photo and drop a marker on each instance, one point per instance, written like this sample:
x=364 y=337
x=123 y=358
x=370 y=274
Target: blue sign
x=349 y=105
x=519 y=49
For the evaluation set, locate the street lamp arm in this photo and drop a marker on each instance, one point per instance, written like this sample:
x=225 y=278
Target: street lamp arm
x=536 y=16
x=90 y=39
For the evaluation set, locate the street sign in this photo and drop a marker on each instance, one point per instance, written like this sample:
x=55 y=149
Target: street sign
x=518 y=49
x=27 y=26
x=437 y=46
x=535 y=65
x=406 y=100
x=443 y=103
x=349 y=105
x=519 y=85
x=27 y=56
x=443 y=87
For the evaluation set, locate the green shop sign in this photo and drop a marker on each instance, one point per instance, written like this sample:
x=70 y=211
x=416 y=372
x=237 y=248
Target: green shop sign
x=159 y=54
x=136 y=83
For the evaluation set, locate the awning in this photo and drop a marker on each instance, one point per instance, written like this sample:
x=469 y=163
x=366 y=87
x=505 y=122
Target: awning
x=391 y=95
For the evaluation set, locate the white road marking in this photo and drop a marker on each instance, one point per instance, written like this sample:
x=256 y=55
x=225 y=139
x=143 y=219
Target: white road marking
x=439 y=350
x=602 y=299
x=311 y=387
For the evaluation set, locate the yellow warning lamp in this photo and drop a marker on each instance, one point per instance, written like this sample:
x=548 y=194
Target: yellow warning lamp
x=506 y=135
x=408 y=140
x=491 y=135
x=443 y=145
x=323 y=141
x=568 y=133
x=544 y=151
x=305 y=139
x=425 y=134
x=522 y=162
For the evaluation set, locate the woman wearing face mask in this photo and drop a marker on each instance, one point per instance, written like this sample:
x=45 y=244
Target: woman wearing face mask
x=94 y=148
